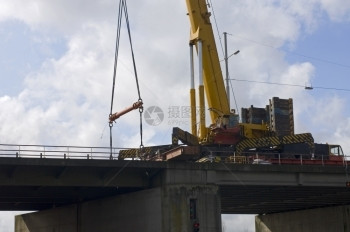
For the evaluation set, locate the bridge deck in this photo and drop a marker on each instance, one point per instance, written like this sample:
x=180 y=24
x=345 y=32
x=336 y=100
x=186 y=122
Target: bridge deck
x=43 y=183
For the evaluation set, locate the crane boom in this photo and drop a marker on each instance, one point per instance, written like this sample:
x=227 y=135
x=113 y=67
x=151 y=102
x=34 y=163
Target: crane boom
x=201 y=30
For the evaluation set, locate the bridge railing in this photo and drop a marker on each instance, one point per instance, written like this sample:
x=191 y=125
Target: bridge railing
x=275 y=158
x=58 y=152
x=81 y=152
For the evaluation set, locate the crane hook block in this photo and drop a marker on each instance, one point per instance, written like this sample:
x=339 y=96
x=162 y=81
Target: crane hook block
x=136 y=105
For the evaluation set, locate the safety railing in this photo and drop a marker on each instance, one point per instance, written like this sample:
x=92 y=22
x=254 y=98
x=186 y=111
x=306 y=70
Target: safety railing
x=81 y=152
x=58 y=152
x=274 y=158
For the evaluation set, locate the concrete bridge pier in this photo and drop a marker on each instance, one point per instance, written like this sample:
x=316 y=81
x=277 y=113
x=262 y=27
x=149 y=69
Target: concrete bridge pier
x=173 y=208
x=320 y=220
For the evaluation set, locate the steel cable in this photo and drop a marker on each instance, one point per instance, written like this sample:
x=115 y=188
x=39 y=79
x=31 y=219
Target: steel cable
x=123 y=7
x=135 y=70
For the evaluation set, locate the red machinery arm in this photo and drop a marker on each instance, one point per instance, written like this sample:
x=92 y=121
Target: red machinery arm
x=136 y=105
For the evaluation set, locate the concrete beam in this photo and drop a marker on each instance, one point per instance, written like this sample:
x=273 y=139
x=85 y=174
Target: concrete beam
x=173 y=208
x=99 y=173
x=62 y=219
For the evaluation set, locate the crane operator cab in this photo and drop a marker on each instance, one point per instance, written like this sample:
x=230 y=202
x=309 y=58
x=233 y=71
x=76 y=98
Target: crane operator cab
x=328 y=151
x=227 y=121
x=336 y=150
x=226 y=129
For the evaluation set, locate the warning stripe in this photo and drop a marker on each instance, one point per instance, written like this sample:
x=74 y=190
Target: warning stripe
x=141 y=153
x=133 y=152
x=275 y=141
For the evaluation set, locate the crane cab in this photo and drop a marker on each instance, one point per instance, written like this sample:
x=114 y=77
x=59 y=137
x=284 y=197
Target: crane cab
x=335 y=150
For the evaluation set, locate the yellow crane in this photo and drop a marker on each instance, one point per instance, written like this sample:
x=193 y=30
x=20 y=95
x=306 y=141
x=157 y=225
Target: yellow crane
x=225 y=128
x=261 y=130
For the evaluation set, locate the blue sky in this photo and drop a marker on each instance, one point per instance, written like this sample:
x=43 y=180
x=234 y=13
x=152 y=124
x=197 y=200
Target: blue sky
x=23 y=51
x=56 y=65
x=328 y=49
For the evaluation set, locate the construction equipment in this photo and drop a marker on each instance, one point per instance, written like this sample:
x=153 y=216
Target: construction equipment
x=268 y=130
x=225 y=121
x=259 y=127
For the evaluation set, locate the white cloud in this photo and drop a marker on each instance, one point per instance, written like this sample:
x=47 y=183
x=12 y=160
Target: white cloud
x=337 y=10
x=64 y=16
x=238 y=223
x=7 y=221
x=67 y=101
x=67 y=98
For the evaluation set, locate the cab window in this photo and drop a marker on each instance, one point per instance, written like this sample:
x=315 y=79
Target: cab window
x=336 y=150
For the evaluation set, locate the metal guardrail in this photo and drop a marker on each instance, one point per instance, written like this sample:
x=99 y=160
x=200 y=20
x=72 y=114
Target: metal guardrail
x=58 y=152
x=274 y=158
x=106 y=153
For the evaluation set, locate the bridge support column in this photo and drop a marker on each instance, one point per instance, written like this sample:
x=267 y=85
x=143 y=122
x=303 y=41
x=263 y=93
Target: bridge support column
x=320 y=220
x=173 y=208
x=186 y=205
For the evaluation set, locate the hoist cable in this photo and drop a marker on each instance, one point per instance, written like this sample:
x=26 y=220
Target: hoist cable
x=135 y=70
x=132 y=50
x=216 y=25
x=222 y=48
x=121 y=3
x=123 y=7
x=120 y=16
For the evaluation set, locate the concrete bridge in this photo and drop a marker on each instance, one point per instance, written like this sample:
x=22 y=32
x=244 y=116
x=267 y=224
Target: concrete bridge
x=73 y=194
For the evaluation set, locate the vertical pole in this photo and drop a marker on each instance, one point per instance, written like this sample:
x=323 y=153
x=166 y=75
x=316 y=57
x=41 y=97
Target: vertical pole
x=202 y=128
x=193 y=96
x=226 y=69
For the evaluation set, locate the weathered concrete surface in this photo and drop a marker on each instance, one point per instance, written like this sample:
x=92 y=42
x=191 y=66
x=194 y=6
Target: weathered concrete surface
x=157 y=209
x=313 y=220
x=62 y=219
x=176 y=208
x=130 y=212
x=133 y=212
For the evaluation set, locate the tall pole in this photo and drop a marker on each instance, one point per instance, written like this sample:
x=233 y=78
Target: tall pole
x=193 y=95
x=226 y=69
x=202 y=128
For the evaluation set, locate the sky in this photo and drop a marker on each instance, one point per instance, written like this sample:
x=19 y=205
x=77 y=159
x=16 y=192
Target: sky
x=56 y=62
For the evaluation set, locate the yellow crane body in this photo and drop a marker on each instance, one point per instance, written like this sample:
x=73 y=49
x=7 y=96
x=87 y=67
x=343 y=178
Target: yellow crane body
x=201 y=30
